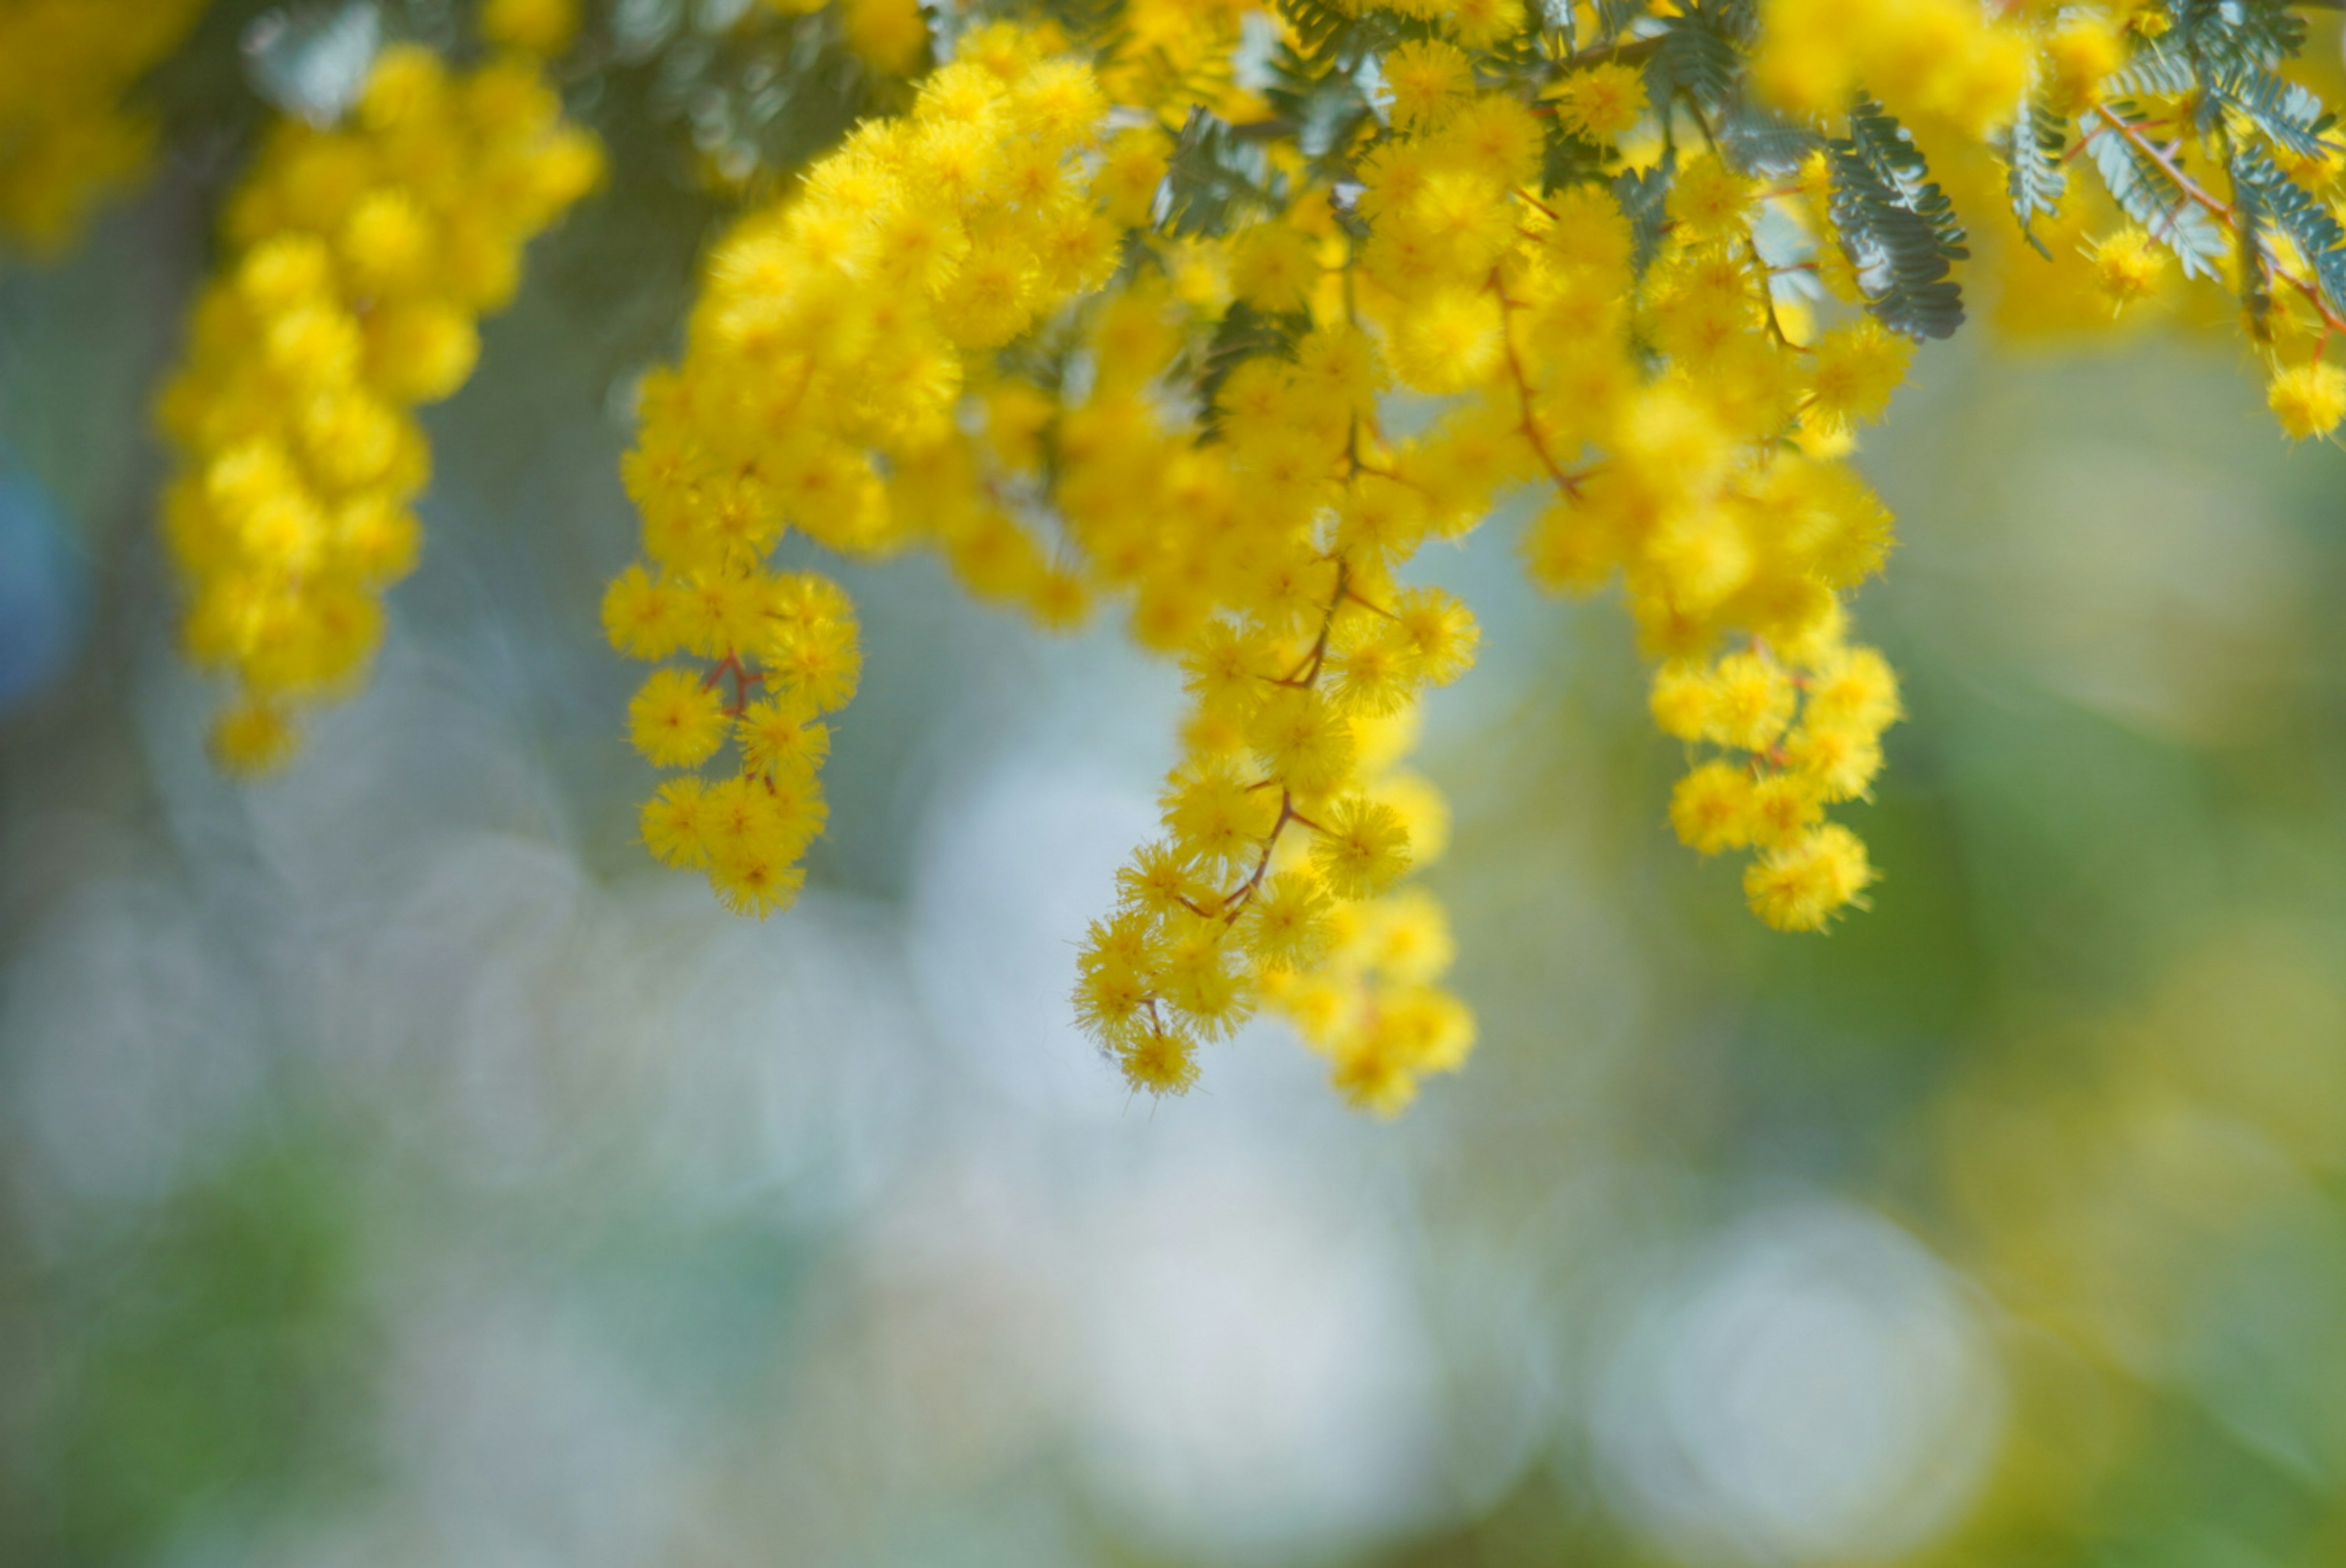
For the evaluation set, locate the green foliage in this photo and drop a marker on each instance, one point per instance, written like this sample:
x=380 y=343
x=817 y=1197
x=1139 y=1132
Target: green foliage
x=1756 y=142
x=1644 y=195
x=1570 y=158
x=1318 y=89
x=1701 y=53
x=1215 y=175
x=1898 y=227
x=760 y=99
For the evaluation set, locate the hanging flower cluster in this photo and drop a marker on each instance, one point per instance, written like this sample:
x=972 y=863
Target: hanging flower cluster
x=359 y=261
x=830 y=353
x=1657 y=262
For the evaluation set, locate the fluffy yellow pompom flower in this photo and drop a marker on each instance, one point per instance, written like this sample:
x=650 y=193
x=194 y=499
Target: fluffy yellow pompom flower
x=1201 y=975
x=2128 y=266
x=675 y=822
x=1682 y=701
x=1427 y=77
x=779 y=738
x=756 y=878
x=1160 y=1063
x=1783 y=807
x=1837 y=762
x=1218 y=818
x=817 y=659
x=755 y=829
x=1363 y=849
x=1709 y=200
x=1112 y=987
x=2309 y=400
x=1274 y=268
x=1854 y=688
x=642 y=617
x=1302 y=741
x=1451 y=342
x=1711 y=807
x=675 y=719
x=1804 y=884
x=1857 y=368
x=1288 y=925
x=1751 y=701
x=1601 y=102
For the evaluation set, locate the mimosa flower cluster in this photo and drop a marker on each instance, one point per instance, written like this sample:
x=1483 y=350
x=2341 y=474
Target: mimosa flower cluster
x=359 y=258
x=827 y=361
x=68 y=136
x=1211 y=316
x=1658 y=265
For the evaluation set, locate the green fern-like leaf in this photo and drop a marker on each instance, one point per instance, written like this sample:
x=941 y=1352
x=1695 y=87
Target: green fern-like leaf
x=2038 y=176
x=1644 y=196
x=2226 y=36
x=2147 y=193
x=2288 y=116
x=1877 y=138
x=1215 y=176
x=1090 y=24
x=2158 y=67
x=1700 y=53
x=2251 y=222
x=1614 y=18
x=1570 y=158
x=1896 y=226
x=1327 y=37
x=2294 y=212
x=1316 y=87
x=1756 y=142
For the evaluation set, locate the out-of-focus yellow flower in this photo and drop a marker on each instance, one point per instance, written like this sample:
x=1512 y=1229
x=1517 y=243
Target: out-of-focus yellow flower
x=358 y=258
x=67 y=136
x=2309 y=400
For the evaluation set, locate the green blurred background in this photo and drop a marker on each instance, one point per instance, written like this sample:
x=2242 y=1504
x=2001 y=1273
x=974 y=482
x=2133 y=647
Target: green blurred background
x=395 y=1167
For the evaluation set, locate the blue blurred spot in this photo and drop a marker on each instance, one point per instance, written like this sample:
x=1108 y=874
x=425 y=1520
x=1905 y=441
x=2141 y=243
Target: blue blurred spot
x=44 y=592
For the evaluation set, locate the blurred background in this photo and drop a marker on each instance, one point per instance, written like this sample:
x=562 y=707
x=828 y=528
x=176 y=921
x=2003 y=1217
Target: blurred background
x=397 y=1167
